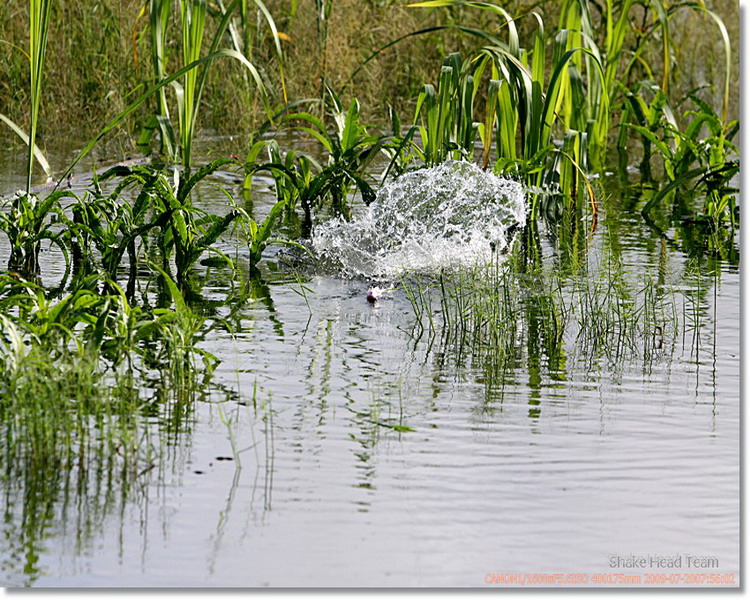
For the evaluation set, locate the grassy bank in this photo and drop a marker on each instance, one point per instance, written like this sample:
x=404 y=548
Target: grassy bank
x=99 y=58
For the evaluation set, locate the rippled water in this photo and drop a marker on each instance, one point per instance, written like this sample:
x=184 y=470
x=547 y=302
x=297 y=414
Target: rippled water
x=371 y=456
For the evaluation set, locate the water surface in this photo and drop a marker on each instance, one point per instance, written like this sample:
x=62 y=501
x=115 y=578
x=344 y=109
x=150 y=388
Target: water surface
x=340 y=448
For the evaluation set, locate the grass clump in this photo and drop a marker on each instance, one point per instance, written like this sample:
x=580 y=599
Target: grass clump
x=78 y=370
x=517 y=313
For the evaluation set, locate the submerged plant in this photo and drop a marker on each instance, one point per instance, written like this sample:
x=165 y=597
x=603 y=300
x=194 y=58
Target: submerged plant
x=689 y=158
x=104 y=330
x=258 y=236
x=27 y=223
x=183 y=229
x=495 y=316
x=77 y=393
x=350 y=151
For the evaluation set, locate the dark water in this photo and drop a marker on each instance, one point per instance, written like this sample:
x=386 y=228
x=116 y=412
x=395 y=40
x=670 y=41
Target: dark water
x=293 y=474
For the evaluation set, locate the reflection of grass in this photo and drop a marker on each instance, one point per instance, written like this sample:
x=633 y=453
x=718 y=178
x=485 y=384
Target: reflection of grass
x=81 y=380
x=505 y=316
x=69 y=440
x=76 y=447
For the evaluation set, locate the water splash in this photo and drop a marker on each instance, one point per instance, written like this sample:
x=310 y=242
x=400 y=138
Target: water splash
x=446 y=216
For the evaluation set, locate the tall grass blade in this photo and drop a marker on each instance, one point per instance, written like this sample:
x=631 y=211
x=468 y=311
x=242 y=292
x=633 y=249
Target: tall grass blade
x=39 y=14
x=37 y=152
x=277 y=44
x=193 y=16
x=728 y=58
x=158 y=25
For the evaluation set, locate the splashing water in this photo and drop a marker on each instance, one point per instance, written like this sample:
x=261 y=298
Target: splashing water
x=446 y=216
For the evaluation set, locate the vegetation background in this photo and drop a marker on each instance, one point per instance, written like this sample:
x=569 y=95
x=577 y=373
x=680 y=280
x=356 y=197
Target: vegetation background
x=99 y=59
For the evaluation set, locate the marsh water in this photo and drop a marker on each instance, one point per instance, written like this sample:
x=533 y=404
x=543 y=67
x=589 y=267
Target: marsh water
x=339 y=446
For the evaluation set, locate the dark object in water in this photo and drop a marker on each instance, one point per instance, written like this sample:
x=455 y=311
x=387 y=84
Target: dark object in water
x=215 y=261
x=374 y=294
x=510 y=235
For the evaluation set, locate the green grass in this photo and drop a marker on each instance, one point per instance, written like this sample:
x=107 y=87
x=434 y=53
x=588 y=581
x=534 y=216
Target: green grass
x=39 y=14
x=110 y=49
x=543 y=114
x=518 y=313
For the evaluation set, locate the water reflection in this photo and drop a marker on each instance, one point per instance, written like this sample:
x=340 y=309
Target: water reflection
x=589 y=392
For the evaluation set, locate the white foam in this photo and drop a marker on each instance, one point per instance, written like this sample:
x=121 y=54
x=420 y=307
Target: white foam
x=444 y=216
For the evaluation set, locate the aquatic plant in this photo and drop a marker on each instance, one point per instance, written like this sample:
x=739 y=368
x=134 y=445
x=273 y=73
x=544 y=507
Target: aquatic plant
x=525 y=104
x=447 y=114
x=348 y=143
x=350 y=150
x=109 y=226
x=258 y=236
x=105 y=331
x=177 y=330
x=525 y=107
x=27 y=223
x=546 y=123
x=494 y=315
x=147 y=210
x=25 y=226
x=183 y=229
x=81 y=377
x=689 y=159
x=101 y=82
x=292 y=172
